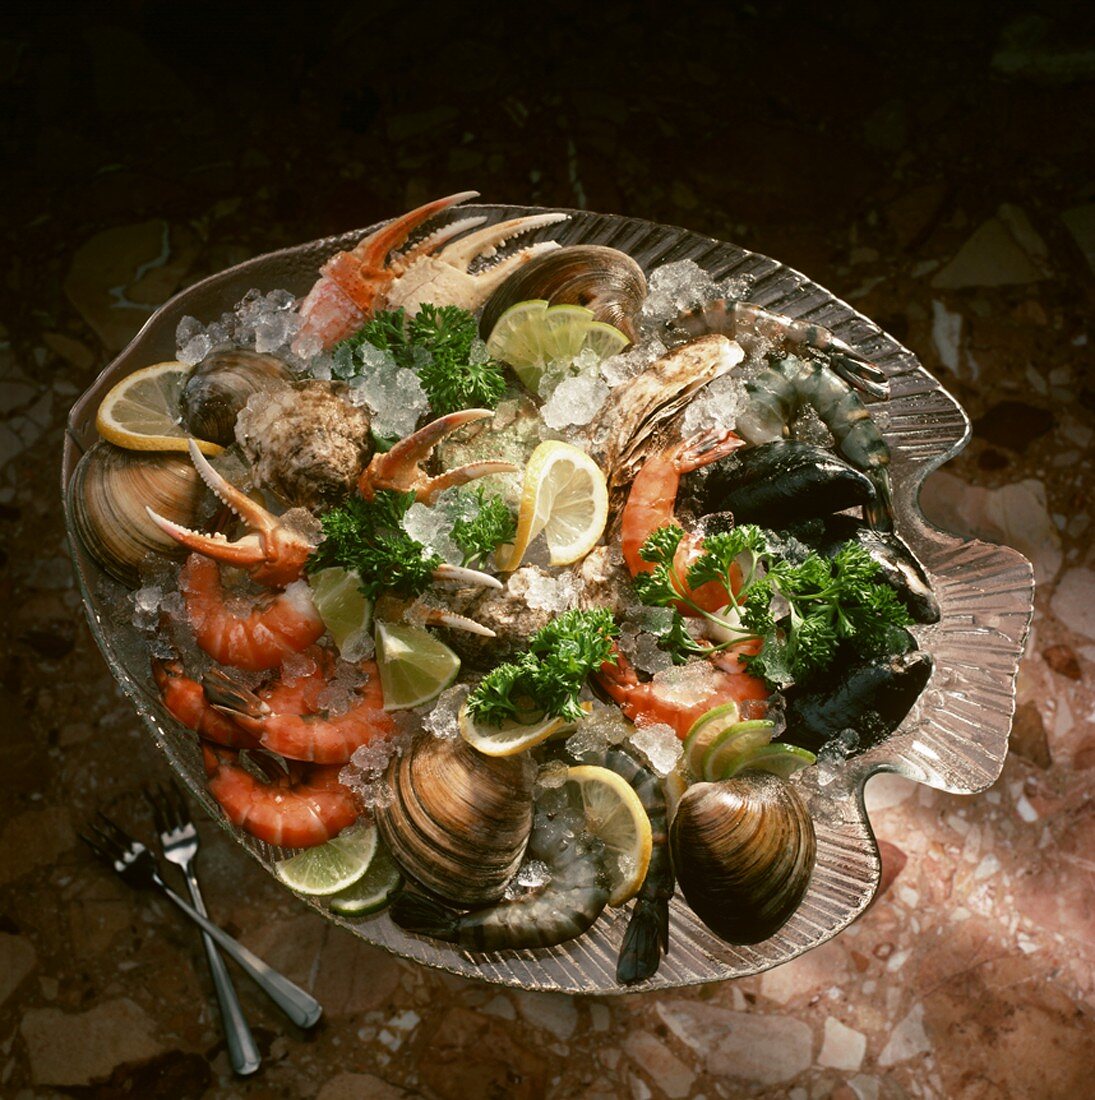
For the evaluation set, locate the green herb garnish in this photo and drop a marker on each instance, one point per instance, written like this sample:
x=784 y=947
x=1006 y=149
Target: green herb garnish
x=367 y=535
x=441 y=345
x=548 y=679
x=801 y=613
x=492 y=526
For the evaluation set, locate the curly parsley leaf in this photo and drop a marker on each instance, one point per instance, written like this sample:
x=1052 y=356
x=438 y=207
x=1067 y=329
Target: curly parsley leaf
x=492 y=526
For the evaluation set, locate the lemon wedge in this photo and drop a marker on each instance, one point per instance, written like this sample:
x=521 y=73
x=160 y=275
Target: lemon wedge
x=511 y=737
x=565 y=498
x=142 y=412
x=614 y=814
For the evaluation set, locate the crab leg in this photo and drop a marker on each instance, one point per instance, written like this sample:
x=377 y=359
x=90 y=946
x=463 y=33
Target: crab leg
x=400 y=468
x=273 y=553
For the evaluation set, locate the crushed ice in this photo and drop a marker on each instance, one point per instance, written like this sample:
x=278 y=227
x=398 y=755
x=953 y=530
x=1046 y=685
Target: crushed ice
x=660 y=745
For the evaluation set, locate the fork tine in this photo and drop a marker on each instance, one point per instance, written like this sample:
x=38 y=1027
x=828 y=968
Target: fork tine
x=154 y=799
x=106 y=844
x=95 y=847
x=117 y=835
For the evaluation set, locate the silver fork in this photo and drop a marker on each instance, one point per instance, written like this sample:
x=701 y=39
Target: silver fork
x=179 y=842
x=137 y=866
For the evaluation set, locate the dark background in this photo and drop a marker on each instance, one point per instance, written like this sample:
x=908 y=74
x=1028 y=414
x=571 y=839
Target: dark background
x=147 y=144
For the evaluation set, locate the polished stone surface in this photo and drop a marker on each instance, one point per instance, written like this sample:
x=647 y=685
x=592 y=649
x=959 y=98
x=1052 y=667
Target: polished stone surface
x=930 y=172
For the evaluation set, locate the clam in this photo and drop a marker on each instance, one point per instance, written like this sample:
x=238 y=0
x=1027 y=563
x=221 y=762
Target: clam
x=110 y=492
x=458 y=821
x=602 y=279
x=743 y=851
x=305 y=441
x=220 y=385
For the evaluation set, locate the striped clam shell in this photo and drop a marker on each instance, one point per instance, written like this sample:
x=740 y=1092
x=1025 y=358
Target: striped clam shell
x=743 y=850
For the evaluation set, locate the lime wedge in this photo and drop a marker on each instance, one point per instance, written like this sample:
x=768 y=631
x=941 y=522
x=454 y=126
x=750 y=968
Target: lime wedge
x=414 y=666
x=373 y=890
x=346 y=611
x=703 y=733
x=732 y=743
x=777 y=758
x=330 y=867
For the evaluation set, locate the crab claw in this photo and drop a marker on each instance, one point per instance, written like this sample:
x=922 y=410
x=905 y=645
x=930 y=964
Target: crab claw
x=401 y=467
x=271 y=552
x=461 y=577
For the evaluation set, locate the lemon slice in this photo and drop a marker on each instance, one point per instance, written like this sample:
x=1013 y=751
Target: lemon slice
x=373 y=890
x=722 y=757
x=346 y=611
x=511 y=737
x=779 y=758
x=330 y=867
x=142 y=413
x=703 y=733
x=614 y=814
x=530 y=336
x=565 y=498
x=414 y=666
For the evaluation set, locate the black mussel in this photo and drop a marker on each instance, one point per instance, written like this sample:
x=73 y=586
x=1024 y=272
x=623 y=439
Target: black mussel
x=871 y=699
x=602 y=279
x=899 y=566
x=743 y=851
x=783 y=481
x=220 y=385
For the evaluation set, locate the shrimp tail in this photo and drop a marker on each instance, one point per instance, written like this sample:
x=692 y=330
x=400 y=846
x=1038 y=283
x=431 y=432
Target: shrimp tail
x=232 y=698
x=880 y=513
x=424 y=916
x=645 y=940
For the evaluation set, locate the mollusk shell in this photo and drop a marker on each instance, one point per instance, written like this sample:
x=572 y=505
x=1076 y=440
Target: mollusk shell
x=743 y=851
x=219 y=386
x=459 y=821
x=110 y=490
x=602 y=279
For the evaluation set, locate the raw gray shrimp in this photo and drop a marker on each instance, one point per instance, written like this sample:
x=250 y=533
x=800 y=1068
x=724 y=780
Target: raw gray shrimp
x=646 y=938
x=779 y=392
x=561 y=910
x=753 y=327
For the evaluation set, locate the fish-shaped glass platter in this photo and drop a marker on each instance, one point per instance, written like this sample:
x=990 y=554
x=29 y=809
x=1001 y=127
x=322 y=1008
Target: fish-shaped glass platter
x=955 y=737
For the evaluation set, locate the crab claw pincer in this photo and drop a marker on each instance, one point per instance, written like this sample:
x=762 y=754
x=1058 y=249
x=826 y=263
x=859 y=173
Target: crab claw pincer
x=272 y=552
x=401 y=467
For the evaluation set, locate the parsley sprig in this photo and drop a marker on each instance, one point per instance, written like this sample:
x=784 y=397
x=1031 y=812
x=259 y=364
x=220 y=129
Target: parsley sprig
x=799 y=612
x=546 y=680
x=367 y=535
x=441 y=345
x=492 y=525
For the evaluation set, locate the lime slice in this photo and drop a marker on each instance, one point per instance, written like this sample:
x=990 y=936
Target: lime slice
x=531 y=336
x=414 y=666
x=703 y=733
x=511 y=737
x=142 y=412
x=330 y=867
x=564 y=497
x=732 y=743
x=614 y=814
x=373 y=890
x=778 y=758
x=346 y=611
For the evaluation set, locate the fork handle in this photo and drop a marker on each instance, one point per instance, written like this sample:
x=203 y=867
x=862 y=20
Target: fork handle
x=243 y=1053
x=301 y=1007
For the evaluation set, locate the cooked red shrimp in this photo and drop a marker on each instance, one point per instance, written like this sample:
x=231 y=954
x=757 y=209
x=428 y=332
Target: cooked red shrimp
x=652 y=503
x=289 y=718
x=185 y=698
x=653 y=702
x=299 y=810
x=253 y=640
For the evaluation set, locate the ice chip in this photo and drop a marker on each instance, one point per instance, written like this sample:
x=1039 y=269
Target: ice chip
x=195 y=349
x=542 y=591
x=648 y=656
x=575 y=401
x=660 y=745
x=444 y=719
x=553 y=773
x=534 y=873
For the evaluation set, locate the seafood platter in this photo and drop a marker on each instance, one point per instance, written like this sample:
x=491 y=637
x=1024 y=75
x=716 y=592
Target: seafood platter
x=534 y=591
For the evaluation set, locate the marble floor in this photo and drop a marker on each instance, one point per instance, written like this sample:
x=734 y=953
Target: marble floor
x=938 y=178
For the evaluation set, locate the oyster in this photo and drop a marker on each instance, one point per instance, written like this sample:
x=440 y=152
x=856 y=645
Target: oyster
x=743 y=851
x=306 y=442
x=458 y=821
x=219 y=387
x=111 y=491
x=602 y=279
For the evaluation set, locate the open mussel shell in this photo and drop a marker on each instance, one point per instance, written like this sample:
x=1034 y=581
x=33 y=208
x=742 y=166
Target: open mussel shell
x=110 y=491
x=602 y=279
x=743 y=852
x=220 y=385
x=459 y=821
